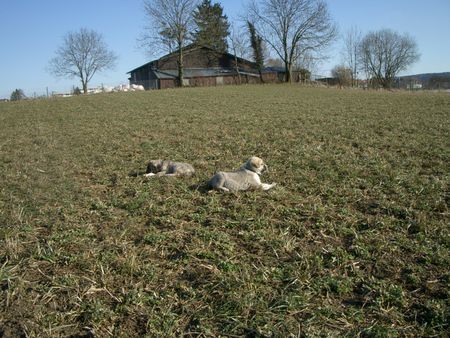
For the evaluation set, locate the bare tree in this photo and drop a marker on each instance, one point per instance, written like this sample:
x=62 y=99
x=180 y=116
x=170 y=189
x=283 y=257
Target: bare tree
x=82 y=55
x=385 y=53
x=238 y=42
x=293 y=28
x=274 y=62
x=238 y=48
x=351 y=51
x=308 y=61
x=170 y=25
x=343 y=75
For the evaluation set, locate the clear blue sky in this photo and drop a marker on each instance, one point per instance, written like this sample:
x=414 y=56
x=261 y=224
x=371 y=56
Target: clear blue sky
x=31 y=31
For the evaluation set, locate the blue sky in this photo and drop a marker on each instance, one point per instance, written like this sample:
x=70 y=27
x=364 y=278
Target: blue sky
x=31 y=31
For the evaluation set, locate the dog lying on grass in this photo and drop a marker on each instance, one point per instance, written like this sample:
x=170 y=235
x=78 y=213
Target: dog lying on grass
x=245 y=178
x=168 y=168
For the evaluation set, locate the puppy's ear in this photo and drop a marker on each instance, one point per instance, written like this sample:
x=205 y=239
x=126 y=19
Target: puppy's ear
x=154 y=166
x=249 y=165
x=150 y=167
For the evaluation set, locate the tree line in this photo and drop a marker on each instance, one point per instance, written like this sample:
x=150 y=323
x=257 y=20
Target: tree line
x=296 y=32
x=291 y=29
x=379 y=55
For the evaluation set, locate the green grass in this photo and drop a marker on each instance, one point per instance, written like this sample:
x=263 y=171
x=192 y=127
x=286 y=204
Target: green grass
x=352 y=241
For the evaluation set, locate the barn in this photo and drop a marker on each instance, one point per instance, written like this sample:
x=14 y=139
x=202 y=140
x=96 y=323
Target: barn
x=203 y=66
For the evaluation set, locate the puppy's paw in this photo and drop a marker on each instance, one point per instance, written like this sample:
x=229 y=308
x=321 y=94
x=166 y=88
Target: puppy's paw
x=266 y=186
x=149 y=175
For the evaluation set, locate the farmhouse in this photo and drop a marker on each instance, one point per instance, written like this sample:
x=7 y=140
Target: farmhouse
x=203 y=66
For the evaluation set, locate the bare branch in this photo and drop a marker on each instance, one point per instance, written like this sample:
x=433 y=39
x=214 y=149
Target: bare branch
x=385 y=53
x=82 y=55
x=351 y=51
x=170 y=25
x=293 y=28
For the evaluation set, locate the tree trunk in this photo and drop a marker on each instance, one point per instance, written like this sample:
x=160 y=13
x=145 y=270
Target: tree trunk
x=237 y=67
x=180 y=66
x=288 y=72
x=387 y=83
x=85 y=88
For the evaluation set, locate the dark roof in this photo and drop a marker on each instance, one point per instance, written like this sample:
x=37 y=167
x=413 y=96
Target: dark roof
x=148 y=63
x=189 y=48
x=275 y=69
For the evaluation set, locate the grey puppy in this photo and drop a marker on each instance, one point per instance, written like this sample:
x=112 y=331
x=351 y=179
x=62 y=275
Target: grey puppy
x=168 y=168
x=245 y=178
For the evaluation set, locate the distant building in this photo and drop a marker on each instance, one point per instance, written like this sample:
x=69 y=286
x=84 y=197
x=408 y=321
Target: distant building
x=203 y=66
x=409 y=83
x=329 y=81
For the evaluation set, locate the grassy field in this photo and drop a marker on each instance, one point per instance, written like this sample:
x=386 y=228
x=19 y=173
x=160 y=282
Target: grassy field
x=354 y=239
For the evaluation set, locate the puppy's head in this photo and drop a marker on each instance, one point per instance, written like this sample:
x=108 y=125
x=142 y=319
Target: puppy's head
x=154 y=166
x=256 y=165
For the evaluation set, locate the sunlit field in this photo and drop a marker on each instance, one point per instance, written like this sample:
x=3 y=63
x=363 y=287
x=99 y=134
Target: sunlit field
x=353 y=240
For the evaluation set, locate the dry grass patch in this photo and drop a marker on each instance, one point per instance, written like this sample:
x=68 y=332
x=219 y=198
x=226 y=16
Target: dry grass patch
x=352 y=241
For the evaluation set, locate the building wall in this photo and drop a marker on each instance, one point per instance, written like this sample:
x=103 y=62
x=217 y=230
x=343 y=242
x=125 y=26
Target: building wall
x=231 y=79
x=271 y=77
x=144 y=76
x=167 y=83
x=140 y=74
x=203 y=81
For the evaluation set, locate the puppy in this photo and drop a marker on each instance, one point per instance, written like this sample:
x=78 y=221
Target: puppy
x=245 y=178
x=168 y=168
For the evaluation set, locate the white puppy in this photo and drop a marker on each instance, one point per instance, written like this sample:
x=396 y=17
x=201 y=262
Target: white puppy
x=245 y=178
x=168 y=168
